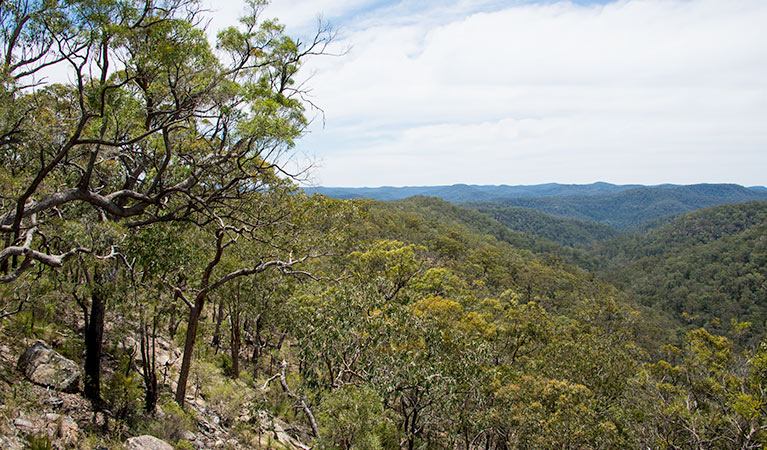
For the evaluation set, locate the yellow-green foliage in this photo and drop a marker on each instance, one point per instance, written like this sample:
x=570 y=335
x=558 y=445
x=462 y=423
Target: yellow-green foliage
x=39 y=442
x=539 y=413
x=703 y=396
x=352 y=418
x=183 y=444
x=228 y=398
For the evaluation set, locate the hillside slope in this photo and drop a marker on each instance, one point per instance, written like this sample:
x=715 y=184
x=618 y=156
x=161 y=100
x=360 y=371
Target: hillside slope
x=569 y=232
x=440 y=214
x=634 y=206
x=707 y=267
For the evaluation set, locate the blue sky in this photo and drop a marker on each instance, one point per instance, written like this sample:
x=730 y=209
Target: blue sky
x=526 y=92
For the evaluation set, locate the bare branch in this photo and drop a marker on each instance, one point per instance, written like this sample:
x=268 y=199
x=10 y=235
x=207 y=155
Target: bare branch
x=300 y=401
x=5 y=313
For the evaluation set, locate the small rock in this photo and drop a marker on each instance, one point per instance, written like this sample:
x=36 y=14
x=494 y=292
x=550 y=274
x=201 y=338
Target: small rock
x=147 y=442
x=206 y=426
x=198 y=402
x=100 y=419
x=54 y=402
x=64 y=428
x=43 y=365
x=24 y=425
x=189 y=436
x=162 y=359
x=6 y=353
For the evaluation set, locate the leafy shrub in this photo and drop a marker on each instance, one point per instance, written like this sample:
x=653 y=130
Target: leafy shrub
x=352 y=418
x=225 y=363
x=30 y=324
x=183 y=444
x=39 y=442
x=71 y=348
x=173 y=423
x=227 y=398
x=123 y=395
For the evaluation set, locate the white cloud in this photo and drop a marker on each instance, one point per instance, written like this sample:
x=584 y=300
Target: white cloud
x=478 y=92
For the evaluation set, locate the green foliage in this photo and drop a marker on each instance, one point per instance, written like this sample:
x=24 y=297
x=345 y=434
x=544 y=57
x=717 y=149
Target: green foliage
x=702 y=398
x=353 y=418
x=424 y=328
x=39 y=442
x=540 y=413
x=450 y=229
x=172 y=423
x=388 y=267
x=568 y=232
x=228 y=398
x=705 y=268
x=225 y=363
x=123 y=392
x=183 y=444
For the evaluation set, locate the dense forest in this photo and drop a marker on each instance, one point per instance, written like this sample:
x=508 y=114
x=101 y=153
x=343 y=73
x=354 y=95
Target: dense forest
x=567 y=232
x=165 y=283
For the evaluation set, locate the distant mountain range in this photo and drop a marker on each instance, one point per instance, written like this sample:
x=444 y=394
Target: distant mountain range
x=460 y=193
x=619 y=206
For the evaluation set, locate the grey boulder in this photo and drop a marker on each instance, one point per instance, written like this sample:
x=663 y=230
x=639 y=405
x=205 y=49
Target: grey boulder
x=45 y=366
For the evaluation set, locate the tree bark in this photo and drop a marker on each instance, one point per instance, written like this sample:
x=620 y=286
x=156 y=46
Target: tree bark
x=257 y=346
x=94 y=337
x=219 y=317
x=172 y=322
x=186 y=362
x=149 y=363
x=300 y=401
x=234 y=318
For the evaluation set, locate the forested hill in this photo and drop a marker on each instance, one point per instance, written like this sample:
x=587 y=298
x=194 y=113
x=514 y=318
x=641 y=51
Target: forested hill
x=638 y=205
x=706 y=267
x=568 y=232
x=619 y=206
x=441 y=215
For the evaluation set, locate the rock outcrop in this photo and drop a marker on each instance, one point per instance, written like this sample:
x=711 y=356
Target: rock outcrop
x=59 y=428
x=147 y=442
x=44 y=366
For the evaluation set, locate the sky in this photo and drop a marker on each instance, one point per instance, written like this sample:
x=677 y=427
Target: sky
x=526 y=92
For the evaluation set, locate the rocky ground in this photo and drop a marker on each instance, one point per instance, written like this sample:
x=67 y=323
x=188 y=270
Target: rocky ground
x=43 y=409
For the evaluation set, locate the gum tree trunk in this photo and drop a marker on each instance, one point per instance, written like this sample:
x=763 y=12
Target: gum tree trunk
x=94 y=337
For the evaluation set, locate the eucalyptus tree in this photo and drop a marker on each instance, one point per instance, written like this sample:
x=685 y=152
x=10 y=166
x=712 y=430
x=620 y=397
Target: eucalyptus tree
x=152 y=126
x=230 y=253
